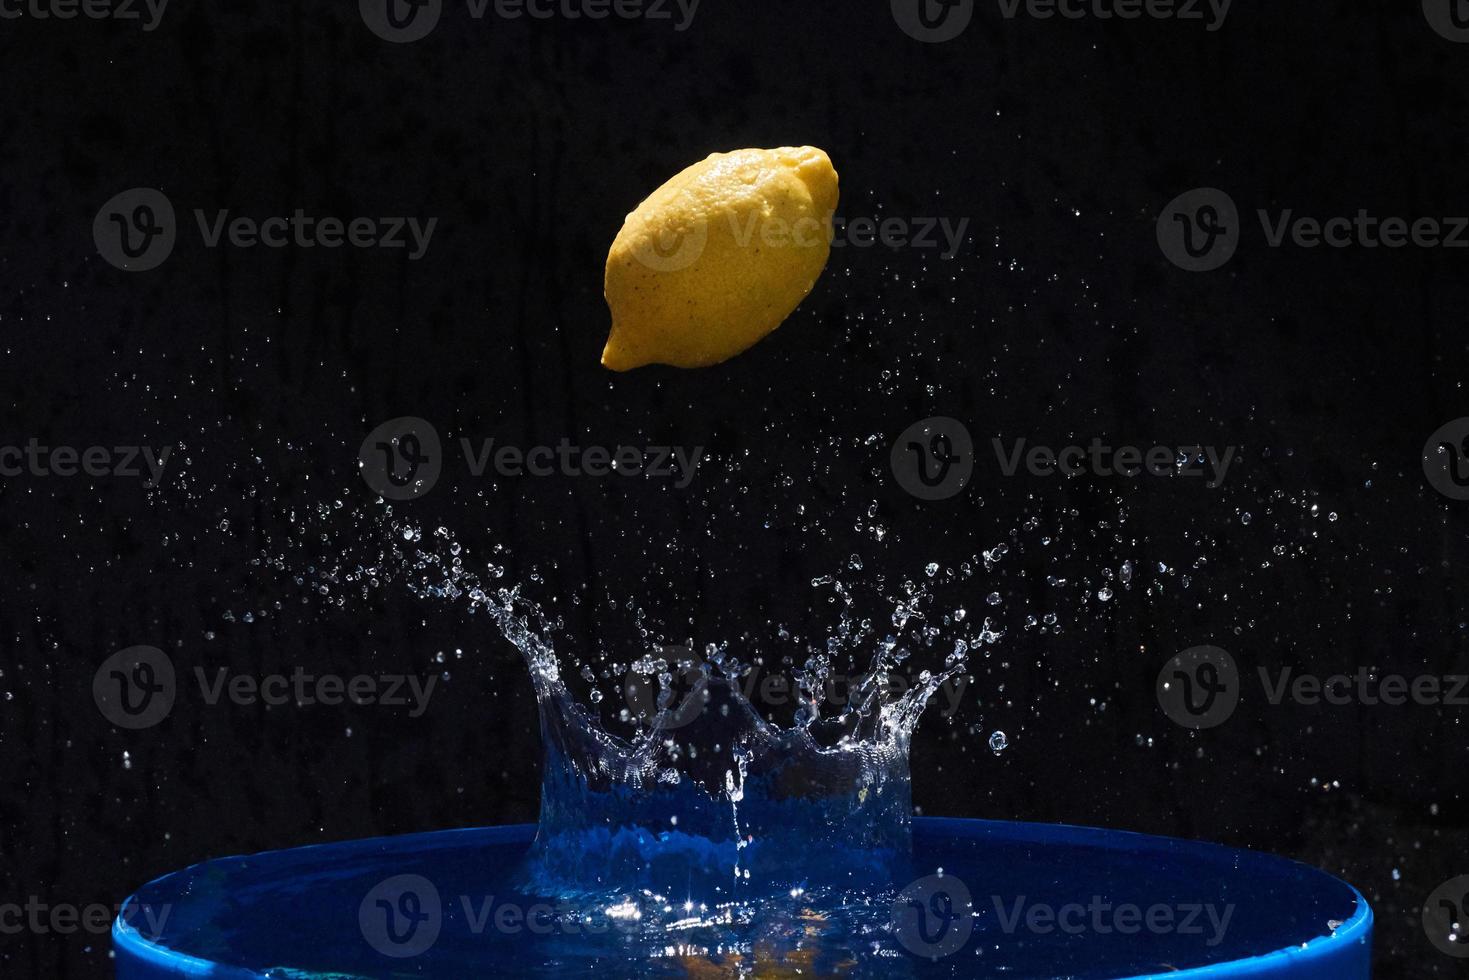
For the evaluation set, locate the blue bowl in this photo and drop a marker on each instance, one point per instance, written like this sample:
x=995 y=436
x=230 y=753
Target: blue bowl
x=986 y=899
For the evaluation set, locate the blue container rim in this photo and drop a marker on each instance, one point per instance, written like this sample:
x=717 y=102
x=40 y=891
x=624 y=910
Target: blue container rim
x=127 y=939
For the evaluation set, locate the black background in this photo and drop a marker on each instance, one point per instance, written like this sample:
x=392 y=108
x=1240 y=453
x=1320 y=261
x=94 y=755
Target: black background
x=1059 y=321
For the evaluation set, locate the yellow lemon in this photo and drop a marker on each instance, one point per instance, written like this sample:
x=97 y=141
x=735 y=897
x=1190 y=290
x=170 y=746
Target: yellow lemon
x=718 y=257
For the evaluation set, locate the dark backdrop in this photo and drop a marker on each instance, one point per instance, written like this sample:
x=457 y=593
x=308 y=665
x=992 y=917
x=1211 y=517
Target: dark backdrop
x=1060 y=320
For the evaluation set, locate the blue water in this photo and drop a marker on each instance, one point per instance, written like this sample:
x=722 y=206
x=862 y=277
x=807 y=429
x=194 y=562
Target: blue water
x=459 y=911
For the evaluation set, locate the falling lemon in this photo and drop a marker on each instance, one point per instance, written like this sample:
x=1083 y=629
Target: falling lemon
x=718 y=257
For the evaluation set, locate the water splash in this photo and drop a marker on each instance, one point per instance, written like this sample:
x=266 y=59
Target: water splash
x=705 y=795
x=679 y=804
x=676 y=790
